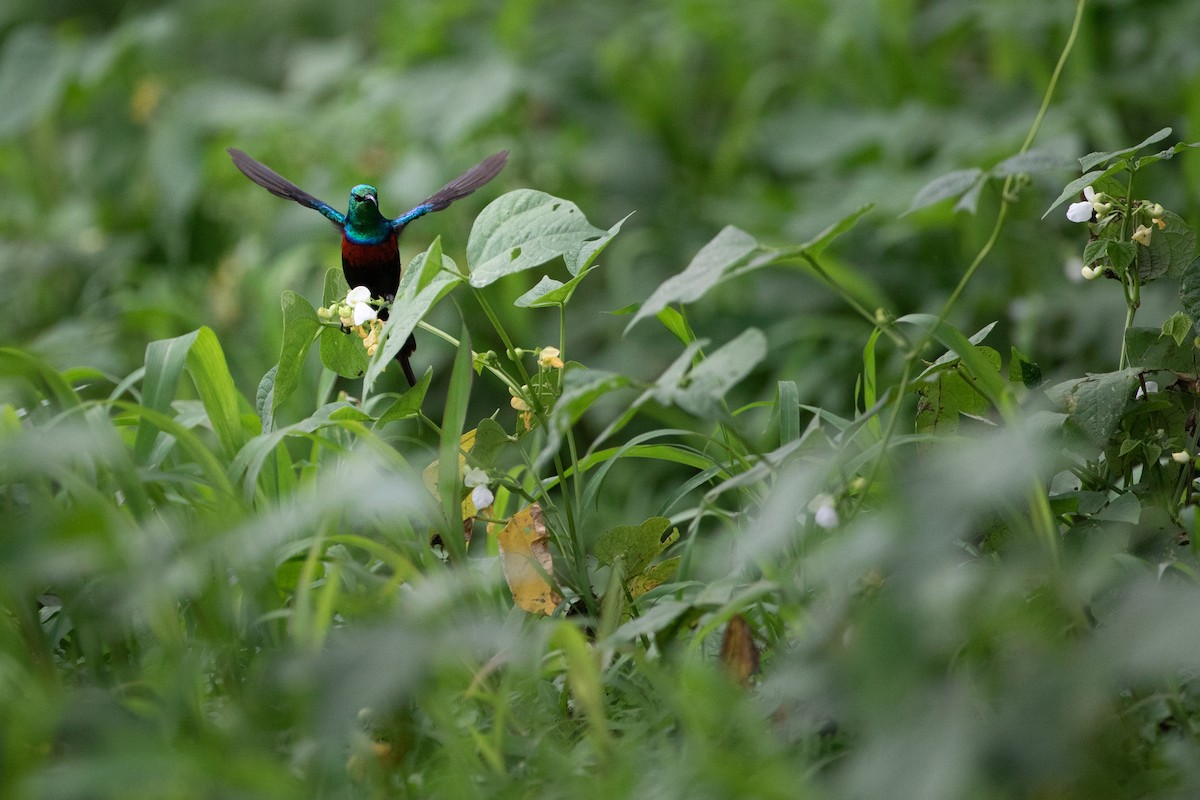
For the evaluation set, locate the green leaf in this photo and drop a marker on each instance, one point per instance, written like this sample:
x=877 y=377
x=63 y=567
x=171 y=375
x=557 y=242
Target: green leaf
x=1096 y=159
x=579 y=260
x=952 y=184
x=1189 y=290
x=1032 y=162
x=636 y=545
x=702 y=389
x=1096 y=403
x=1178 y=326
x=987 y=377
x=1170 y=250
x=1022 y=370
x=949 y=395
x=1164 y=155
x=1076 y=186
x=787 y=406
x=341 y=351
x=413 y=301
x=525 y=229
x=214 y=384
x=1157 y=349
x=728 y=249
x=33 y=75
x=300 y=329
x=550 y=293
x=675 y=322
x=818 y=243
x=408 y=405
x=264 y=400
x=490 y=440
x=165 y=360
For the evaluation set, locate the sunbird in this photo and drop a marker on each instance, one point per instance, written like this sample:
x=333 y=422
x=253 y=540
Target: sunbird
x=370 y=252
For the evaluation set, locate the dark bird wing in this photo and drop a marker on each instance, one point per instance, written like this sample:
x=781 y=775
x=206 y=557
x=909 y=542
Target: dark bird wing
x=280 y=186
x=461 y=186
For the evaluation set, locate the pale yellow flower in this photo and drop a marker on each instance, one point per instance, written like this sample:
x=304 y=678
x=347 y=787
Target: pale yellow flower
x=1142 y=235
x=548 y=358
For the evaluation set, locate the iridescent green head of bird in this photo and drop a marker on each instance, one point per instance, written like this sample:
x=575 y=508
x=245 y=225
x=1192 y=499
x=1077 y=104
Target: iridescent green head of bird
x=363 y=215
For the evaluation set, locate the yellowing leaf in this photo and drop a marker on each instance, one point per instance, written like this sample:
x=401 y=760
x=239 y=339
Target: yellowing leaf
x=527 y=561
x=653 y=577
x=738 y=653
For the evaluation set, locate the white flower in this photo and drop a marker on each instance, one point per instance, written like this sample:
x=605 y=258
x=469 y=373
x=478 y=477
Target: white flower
x=1142 y=235
x=824 y=511
x=475 y=477
x=482 y=497
x=359 y=294
x=1090 y=274
x=1182 y=457
x=362 y=313
x=1151 y=388
x=1082 y=211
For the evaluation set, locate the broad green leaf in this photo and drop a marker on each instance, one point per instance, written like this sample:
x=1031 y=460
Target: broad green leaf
x=490 y=439
x=1032 y=162
x=413 y=301
x=1022 y=370
x=1164 y=155
x=1152 y=349
x=986 y=375
x=1075 y=187
x=550 y=293
x=949 y=395
x=408 y=405
x=729 y=249
x=1189 y=290
x=706 y=385
x=1096 y=159
x=1178 y=326
x=581 y=259
x=300 y=329
x=1170 y=250
x=1096 y=403
x=341 y=351
x=525 y=229
x=952 y=184
x=636 y=545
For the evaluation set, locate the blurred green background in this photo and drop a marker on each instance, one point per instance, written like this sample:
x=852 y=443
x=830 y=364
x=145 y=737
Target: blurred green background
x=122 y=219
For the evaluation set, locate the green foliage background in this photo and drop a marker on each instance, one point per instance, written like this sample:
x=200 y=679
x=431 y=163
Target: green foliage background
x=198 y=640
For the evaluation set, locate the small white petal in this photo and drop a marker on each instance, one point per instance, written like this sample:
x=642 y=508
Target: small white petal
x=359 y=294
x=1080 y=212
x=482 y=497
x=1182 y=457
x=1089 y=193
x=474 y=477
x=362 y=313
x=826 y=517
x=1151 y=388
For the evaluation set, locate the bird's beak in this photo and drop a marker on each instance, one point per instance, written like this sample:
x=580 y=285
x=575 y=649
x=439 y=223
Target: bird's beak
x=372 y=198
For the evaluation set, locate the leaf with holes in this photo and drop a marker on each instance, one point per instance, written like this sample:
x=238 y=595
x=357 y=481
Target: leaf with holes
x=525 y=229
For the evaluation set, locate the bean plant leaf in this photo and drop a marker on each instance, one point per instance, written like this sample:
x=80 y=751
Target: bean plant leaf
x=527 y=563
x=1171 y=249
x=300 y=329
x=635 y=545
x=1096 y=159
x=728 y=249
x=948 y=394
x=702 y=389
x=341 y=351
x=427 y=279
x=1096 y=403
x=525 y=229
x=550 y=293
x=952 y=184
x=1189 y=290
